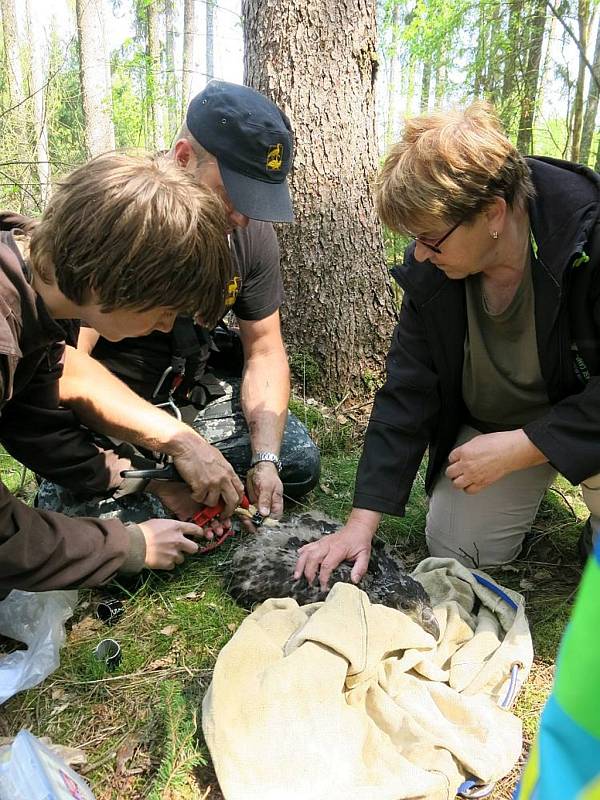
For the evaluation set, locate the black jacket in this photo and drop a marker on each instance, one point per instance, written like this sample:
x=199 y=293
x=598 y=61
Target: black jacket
x=421 y=401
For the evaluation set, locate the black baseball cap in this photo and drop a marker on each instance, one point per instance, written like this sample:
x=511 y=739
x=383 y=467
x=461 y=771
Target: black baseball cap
x=253 y=143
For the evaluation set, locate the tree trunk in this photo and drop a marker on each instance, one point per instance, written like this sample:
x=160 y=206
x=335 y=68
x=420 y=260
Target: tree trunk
x=591 y=108
x=583 y=18
x=210 y=40
x=441 y=76
x=320 y=70
x=537 y=26
x=189 y=31
x=171 y=88
x=99 y=131
x=16 y=144
x=481 y=52
x=153 y=105
x=410 y=85
x=12 y=55
x=37 y=90
x=512 y=65
x=392 y=89
x=547 y=62
x=425 y=86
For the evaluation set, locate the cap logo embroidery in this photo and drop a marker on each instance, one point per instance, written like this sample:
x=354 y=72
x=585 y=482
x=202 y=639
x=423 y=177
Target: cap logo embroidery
x=232 y=291
x=275 y=157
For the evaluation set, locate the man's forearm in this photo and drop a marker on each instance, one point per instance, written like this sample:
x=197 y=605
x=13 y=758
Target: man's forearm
x=265 y=396
x=106 y=405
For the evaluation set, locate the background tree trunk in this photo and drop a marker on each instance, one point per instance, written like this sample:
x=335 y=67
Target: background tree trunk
x=99 y=131
x=37 y=90
x=171 y=87
x=189 y=31
x=12 y=55
x=591 y=107
x=583 y=18
x=537 y=26
x=338 y=311
x=425 y=86
x=392 y=88
x=15 y=139
x=210 y=39
x=153 y=81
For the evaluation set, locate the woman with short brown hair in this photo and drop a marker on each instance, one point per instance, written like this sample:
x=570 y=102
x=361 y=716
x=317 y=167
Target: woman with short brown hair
x=495 y=360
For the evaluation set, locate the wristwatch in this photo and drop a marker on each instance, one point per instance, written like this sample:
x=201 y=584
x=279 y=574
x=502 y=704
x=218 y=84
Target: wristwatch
x=264 y=455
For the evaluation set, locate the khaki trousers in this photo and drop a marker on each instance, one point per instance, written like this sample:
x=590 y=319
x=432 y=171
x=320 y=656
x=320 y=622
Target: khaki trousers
x=488 y=528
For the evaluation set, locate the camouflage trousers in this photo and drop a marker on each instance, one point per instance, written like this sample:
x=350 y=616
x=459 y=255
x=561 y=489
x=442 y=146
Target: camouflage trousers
x=222 y=423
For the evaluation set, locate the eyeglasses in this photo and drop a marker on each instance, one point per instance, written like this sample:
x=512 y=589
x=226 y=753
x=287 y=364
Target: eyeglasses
x=435 y=245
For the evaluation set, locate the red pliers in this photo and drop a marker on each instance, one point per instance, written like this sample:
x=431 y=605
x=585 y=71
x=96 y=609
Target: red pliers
x=206 y=515
x=201 y=518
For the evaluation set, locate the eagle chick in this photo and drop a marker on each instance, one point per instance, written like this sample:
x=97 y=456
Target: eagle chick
x=263 y=567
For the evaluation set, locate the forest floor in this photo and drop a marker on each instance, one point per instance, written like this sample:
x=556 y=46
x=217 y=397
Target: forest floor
x=138 y=725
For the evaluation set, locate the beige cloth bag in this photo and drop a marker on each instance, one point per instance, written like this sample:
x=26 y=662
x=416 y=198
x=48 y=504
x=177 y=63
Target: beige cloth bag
x=347 y=699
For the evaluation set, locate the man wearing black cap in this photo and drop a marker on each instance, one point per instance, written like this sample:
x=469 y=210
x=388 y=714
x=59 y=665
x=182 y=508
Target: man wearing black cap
x=239 y=144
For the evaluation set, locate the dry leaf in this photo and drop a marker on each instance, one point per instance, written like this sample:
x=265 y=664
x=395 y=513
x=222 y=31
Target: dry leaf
x=231 y=627
x=191 y=596
x=527 y=585
x=169 y=630
x=161 y=663
x=125 y=754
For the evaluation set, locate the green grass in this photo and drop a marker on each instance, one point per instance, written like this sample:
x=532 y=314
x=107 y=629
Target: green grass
x=137 y=725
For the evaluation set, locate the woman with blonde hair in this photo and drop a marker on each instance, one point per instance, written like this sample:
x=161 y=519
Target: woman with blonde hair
x=495 y=360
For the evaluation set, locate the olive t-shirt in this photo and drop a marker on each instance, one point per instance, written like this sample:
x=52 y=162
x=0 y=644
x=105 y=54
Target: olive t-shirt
x=254 y=292
x=502 y=383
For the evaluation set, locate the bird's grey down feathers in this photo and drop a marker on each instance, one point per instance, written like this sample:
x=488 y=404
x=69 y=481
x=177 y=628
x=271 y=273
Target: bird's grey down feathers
x=263 y=566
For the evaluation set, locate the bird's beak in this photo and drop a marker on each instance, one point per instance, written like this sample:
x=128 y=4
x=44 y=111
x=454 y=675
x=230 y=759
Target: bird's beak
x=430 y=623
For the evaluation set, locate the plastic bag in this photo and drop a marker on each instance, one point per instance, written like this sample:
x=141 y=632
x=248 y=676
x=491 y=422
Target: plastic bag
x=31 y=771
x=38 y=620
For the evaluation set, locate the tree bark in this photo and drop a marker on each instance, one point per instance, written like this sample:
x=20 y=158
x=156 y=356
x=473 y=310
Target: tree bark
x=583 y=18
x=99 y=130
x=320 y=69
x=531 y=78
x=12 y=55
x=153 y=105
x=392 y=88
x=210 y=40
x=37 y=90
x=425 y=86
x=189 y=31
x=441 y=76
x=591 y=108
x=171 y=88
x=410 y=85
x=512 y=68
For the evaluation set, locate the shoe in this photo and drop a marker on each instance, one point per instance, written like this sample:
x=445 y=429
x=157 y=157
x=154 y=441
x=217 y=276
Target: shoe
x=586 y=542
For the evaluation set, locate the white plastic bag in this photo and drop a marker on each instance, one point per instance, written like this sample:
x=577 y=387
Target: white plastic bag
x=31 y=771
x=38 y=620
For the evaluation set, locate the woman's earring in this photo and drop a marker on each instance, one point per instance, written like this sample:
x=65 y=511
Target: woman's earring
x=494 y=234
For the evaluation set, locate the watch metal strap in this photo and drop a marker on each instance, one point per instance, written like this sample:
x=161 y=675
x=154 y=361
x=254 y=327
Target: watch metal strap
x=264 y=455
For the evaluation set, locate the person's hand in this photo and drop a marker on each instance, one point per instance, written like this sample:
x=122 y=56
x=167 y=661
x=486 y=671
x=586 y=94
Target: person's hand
x=167 y=543
x=208 y=474
x=177 y=497
x=485 y=459
x=265 y=489
x=350 y=543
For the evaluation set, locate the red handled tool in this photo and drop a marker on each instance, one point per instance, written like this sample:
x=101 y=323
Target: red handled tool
x=206 y=515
